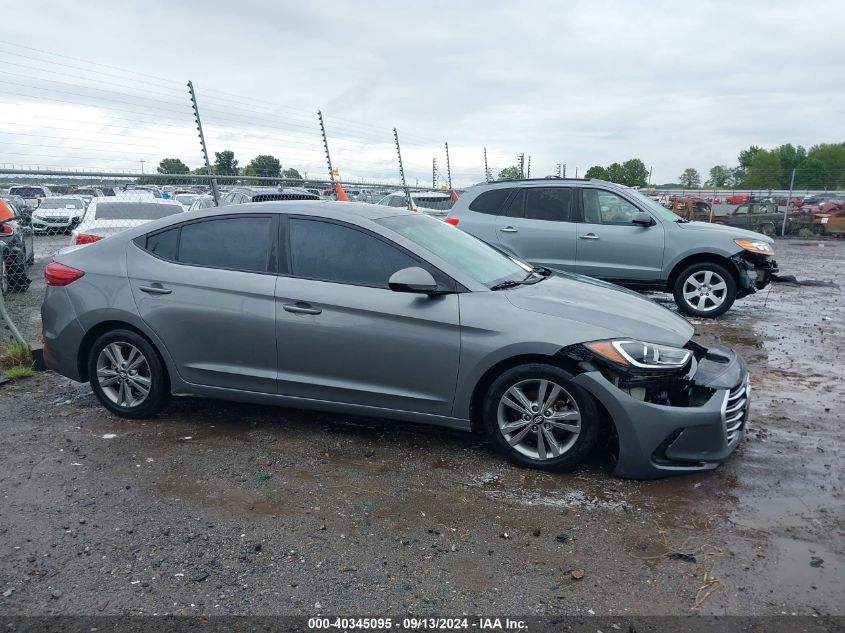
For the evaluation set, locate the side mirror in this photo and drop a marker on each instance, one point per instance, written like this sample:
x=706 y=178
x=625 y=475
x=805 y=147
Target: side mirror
x=413 y=279
x=641 y=218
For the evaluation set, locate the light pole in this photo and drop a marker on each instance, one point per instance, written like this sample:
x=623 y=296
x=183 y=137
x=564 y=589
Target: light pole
x=142 y=166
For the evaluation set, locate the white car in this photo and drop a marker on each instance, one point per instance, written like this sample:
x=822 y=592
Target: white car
x=434 y=203
x=108 y=216
x=60 y=213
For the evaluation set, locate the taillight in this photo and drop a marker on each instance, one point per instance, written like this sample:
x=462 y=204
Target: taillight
x=56 y=274
x=452 y=221
x=87 y=238
x=6 y=228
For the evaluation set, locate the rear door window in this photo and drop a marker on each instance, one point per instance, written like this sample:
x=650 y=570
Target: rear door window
x=234 y=243
x=549 y=203
x=516 y=207
x=490 y=202
x=164 y=244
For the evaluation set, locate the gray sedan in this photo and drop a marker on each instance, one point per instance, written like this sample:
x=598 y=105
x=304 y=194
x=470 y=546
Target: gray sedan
x=361 y=309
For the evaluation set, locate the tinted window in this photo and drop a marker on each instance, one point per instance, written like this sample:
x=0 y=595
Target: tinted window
x=516 y=208
x=236 y=243
x=164 y=244
x=604 y=207
x=135 y=210
x=398 y=201
x=28 y=192
x=489 y=201
x=554 y=203
x=332 y=252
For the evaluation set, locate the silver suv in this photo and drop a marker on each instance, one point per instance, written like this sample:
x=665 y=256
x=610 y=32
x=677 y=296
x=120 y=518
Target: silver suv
x=604 y=230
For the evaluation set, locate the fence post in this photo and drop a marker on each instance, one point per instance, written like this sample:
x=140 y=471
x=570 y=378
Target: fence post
x=326 y=147
x=4 y=316
x=212 y=180
x=402 y=170
x=448 y=168
x=788 y=200
x=434 y=173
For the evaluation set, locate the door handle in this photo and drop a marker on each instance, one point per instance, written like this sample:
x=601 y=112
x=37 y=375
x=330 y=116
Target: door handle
x=155 y=289
x=300 y=307
x=590 y=236
x=509 y=229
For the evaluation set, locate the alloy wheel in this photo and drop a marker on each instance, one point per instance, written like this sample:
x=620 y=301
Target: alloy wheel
x=123 y=374
x=705 y=290
x=539 y=418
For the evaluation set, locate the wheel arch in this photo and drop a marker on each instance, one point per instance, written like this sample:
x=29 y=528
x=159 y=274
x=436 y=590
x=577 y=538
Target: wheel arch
x=107 y=326
x=701 y=258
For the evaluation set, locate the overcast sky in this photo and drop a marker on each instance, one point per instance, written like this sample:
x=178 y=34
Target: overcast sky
x=678 y=84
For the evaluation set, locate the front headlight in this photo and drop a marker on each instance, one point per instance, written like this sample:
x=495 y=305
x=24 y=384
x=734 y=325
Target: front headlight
x=756 y=246
x=640 y=354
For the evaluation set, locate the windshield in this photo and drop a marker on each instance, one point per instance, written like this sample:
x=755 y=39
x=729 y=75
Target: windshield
x=483 y=263
x=185 y=198
x=135 y=210
x=658 y=209
x=61 y=203
x=27 y=192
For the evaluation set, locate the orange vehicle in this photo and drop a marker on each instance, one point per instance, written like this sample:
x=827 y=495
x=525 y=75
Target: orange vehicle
x=832 y=223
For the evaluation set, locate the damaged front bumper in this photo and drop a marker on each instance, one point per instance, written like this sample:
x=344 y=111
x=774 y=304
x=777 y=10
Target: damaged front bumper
x=674 y=424
x=754 y=272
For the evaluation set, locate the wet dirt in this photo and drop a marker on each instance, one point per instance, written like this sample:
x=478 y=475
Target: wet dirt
x=279 y=509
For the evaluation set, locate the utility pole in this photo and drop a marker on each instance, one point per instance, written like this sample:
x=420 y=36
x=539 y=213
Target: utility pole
x=564 y=170
x=558 y=170
x=402 y=170
x=486 y=169
x=521 y=162
x=211 y=178
x=434 y=173
x=448 y=168
x=326 y=148
x=142 y=166
x=788 y=200
x=528 y=175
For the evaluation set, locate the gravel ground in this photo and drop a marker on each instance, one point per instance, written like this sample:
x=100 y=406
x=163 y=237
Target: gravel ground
x=220 y=508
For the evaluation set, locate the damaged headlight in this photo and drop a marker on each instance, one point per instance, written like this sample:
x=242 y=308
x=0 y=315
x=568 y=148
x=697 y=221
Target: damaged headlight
x=756 y=246
x=641 y=354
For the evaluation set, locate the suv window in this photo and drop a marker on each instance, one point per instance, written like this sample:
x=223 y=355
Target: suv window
x=489 y=201
x=341 y=254
x=552 y=203
x=604 y=207
x=741 y=209
x=235 y=243
x=516 y=208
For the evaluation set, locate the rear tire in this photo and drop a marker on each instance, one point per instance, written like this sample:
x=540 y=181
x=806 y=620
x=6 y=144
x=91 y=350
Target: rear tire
x=536 y=417
x=128 y=375
x=704 y=290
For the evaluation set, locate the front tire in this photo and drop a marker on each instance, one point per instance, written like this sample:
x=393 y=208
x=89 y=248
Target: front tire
x=704 y=290
x=536 y=417
x=127 y=375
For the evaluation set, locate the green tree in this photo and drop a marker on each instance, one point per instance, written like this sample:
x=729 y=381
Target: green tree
x=832 y=156
x=265 y=165
x=690 y=179
x=745 y=157
x=510 y=172
x=720 y=176
x=811 y=174
x=596 y=171
x=790 y=157
x=765 y=171
x=292 y=173
x=615 y=173
x=634 y=173
x=172 y=166
x=225 y=163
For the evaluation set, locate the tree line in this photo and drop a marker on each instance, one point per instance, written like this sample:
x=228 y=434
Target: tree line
x=225 y=164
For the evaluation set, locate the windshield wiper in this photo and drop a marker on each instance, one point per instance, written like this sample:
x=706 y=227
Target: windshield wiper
x=529 y=279
x=511 y=283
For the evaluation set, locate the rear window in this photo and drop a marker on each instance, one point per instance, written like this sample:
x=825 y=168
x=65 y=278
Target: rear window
x=490 y=201
x=27 y=192
x=438 y=203
x=61 y=203
x=135 y=210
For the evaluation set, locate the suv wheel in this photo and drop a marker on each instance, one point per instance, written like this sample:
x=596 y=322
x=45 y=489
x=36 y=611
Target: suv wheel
x=127 y=375
x=768 y=229
x=704 y=290
x=536 y=417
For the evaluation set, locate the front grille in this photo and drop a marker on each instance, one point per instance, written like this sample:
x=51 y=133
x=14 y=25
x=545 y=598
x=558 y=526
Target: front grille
x=735 y=412
x=54 y=220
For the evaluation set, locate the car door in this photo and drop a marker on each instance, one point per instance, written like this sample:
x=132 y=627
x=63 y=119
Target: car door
x=344 y=336
x=739 y=217
x=207 y=289
x=538 y=225
x=610 y=246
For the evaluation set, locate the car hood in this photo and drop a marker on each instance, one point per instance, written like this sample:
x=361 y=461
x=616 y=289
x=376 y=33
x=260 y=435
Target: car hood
x=728 y=231
x=597 y=303
x=57 y=213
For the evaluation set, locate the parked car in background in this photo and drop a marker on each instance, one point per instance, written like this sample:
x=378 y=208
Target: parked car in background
x=94 y=192
x=241 y=195
x=602 y=230
x=140 y=188
x=434 y=203
x=108 y=217
x=831 y=223
x=741 y=198
x=756 y=216
x=58 y=214
x=379 y=311
x=19 y=206
x=32 y=194
x=17 y=249
x=202 y=202
x=185 y=199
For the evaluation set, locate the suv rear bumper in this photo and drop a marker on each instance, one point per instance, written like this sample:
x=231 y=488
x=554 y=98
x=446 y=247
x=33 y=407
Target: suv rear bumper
x=658 y=440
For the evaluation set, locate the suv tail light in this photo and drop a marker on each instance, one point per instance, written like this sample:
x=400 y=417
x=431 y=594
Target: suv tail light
x=56 y=274
x=452 y=221
x=6 y=228
x=87 y=238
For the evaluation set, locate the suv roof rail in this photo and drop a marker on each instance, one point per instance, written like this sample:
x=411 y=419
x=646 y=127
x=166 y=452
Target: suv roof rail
x=544 y=178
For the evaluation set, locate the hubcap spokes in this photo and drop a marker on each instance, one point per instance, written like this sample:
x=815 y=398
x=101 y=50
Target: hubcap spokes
x=539 y=418
x=124 y=374
x=705 y=290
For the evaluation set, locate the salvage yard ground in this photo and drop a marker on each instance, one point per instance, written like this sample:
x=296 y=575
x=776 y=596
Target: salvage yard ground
x=222 y=508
